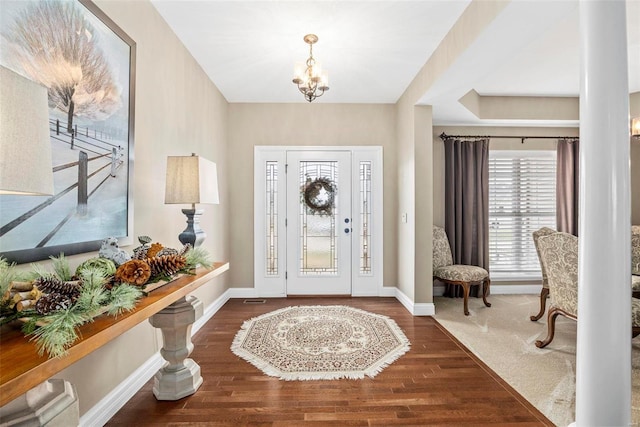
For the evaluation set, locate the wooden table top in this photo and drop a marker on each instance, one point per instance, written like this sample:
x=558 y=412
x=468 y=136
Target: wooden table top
x=21 y=368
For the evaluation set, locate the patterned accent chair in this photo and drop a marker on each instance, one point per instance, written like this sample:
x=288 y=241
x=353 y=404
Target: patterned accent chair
x=544 y=231
x=559 y=255
x=457 y=274
x=635 y=260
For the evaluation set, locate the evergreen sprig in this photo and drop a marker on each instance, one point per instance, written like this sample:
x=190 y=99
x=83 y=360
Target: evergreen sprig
x=61 y=267
x=198 y=256
x=59 y=332
x=123 y=298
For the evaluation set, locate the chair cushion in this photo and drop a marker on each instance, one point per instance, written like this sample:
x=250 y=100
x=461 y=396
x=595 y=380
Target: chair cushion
x=461 y=273
x=635 y=283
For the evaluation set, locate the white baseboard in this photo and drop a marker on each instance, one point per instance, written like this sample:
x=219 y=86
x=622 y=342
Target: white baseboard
x=102 y=412
x=243 y=293
x=109 y=405
x=416 y=309
x=387 y=291
x=210 y=311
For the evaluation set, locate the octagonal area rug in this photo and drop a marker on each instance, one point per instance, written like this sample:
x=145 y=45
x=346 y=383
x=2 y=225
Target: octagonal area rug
x=320 y=343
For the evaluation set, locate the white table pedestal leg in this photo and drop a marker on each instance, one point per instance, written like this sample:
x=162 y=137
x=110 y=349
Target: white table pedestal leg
x=181 y=376
x=54 y=403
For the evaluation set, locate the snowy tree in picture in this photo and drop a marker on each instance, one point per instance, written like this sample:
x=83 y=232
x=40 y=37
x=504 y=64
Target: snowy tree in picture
x=56 y=46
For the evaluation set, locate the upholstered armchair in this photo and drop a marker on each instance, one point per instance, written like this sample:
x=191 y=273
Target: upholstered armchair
x=457 y=274
x=544 y=293
x=559 y=256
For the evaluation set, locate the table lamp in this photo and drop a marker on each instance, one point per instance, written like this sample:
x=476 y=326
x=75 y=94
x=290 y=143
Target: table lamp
x=25 y=148
x=190 y=180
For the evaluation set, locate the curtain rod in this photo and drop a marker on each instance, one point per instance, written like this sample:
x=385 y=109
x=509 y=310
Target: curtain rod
x=444 y=136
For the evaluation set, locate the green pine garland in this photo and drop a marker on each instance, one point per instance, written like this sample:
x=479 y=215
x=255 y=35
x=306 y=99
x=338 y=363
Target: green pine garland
x=59 y=330
x=56 y=332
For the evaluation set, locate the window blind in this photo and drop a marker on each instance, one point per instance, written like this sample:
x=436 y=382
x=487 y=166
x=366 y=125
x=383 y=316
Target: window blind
x=522 y=199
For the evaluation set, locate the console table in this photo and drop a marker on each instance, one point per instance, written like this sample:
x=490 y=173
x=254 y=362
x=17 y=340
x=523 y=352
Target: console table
x=167 y=307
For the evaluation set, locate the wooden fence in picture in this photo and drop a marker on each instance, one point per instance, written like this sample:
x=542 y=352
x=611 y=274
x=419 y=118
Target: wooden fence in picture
x=86 y=141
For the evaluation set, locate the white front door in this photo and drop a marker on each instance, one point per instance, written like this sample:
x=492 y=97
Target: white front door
x=319 y=221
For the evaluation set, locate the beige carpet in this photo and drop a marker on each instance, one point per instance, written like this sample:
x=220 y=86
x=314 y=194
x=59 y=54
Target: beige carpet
x=504 y=338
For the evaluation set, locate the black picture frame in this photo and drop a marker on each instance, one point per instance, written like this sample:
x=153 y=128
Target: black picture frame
x=104 y=208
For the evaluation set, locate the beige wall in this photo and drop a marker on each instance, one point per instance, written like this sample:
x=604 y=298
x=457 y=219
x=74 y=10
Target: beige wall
x=304 y=125
x=414 y=147
x=177 y=111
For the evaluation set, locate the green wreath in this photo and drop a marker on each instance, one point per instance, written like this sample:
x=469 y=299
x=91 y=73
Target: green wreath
x=319 y=195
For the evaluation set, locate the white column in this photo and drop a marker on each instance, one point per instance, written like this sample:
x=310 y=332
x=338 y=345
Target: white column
x=603 y=372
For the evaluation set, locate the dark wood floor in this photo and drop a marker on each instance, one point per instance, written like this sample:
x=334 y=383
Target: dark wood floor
x=438 y=382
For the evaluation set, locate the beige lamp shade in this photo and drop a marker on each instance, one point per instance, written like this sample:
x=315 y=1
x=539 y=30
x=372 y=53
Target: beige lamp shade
x=25 y=148
x=190 y=180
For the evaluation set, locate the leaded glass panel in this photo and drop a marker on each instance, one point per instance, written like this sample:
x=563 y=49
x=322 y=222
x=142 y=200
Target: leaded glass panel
x=271 y=222
x=318 y=240
x=365 y=218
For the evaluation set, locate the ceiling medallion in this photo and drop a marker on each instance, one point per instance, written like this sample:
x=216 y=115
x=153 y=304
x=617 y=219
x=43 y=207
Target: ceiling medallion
x=312 y=82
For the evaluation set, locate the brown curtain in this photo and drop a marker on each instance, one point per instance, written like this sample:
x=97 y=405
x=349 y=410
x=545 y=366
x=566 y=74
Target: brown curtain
x=567 y=189
x=467 y=204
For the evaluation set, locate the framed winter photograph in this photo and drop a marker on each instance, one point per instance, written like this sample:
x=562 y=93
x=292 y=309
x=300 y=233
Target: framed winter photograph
x=86 y=63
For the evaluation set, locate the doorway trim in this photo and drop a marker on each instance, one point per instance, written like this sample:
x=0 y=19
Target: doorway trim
x=274 y=284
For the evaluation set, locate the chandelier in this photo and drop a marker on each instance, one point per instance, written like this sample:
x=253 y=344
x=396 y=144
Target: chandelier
x=311 y=81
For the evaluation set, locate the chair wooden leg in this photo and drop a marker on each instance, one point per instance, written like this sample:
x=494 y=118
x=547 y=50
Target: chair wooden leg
x=551 y=328
x=543 y=304
x=485 y=291
x=465 y=289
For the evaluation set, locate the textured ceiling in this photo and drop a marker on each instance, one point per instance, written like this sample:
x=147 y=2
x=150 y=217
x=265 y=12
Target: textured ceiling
x=372 y=50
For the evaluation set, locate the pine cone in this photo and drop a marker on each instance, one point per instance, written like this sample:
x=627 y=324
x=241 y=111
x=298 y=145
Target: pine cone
x=154 y=249
x=166 y=265
x=134 y=272
x=52 y=285
x=140 y=252
x=167 y=251
x=186 y=248
x=53 y=302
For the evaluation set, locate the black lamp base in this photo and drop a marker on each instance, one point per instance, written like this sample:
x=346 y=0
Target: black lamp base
x=193 y=234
